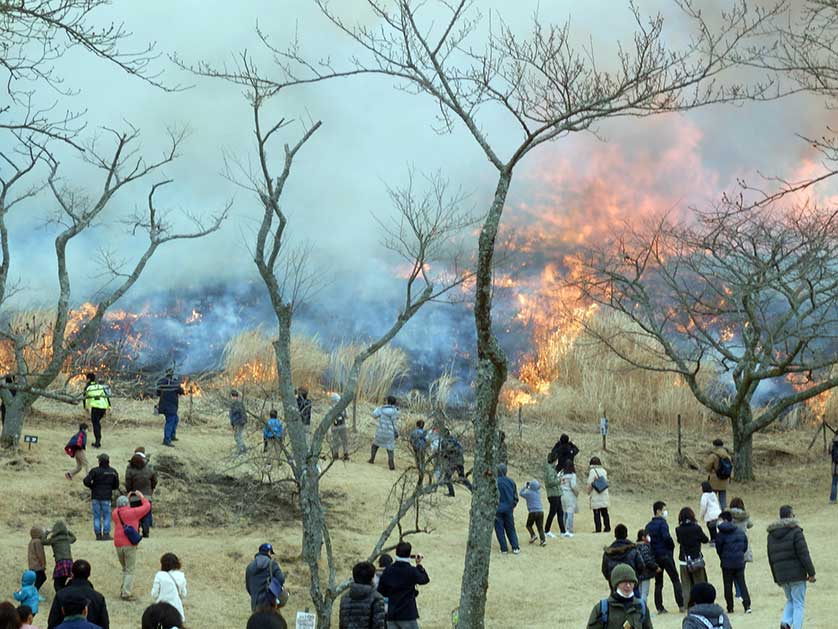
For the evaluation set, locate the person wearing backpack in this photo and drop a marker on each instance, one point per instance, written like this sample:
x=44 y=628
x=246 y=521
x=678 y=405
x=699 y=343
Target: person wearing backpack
x=97 y=398
x=126 y=537
x=621 y=610
x=76 y=448
x=719 y=467
x=260 y=573
x=703 y=613
x=833 y=494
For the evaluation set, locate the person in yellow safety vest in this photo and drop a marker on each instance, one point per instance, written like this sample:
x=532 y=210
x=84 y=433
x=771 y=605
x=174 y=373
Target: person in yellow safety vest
x=97 y=398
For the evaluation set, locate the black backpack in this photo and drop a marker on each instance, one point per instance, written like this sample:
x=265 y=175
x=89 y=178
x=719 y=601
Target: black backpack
x=835 y=451
x=725 y=468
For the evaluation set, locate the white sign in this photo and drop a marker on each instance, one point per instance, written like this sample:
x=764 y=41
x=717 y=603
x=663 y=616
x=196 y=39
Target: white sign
x=306 y=620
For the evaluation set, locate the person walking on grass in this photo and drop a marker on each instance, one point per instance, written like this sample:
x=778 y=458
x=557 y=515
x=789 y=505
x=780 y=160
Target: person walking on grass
x=504 y=517
x=691 y=561
x=76 y=448
x=387 y=431
x=743 y=522
x=554 y=495
x=97 y=399
x=140 y=477
x=418 y=440
x=238 y=420
x=570 y=491
x=60 y=538
x=531 y=493
x=102 y=482
x=362 y=607
x=791 y=565
x=731 y=545
x=398 y=586
x=622 y=609
x=709 y=509
x=452 y=461
x=597 y=488
x=127 y=516
x=36 y=557
x=621 y=551
x=80 y=586
x=76 y=610
x=260 y=573
x=564 y=450
x=719 y=467
x=169 y=391
x=304 y=406
x=28 y=593
x=170 y=584
x=702 y=611
x=340 y=432
x=650 y=566
x=26 y=617
x=663 y=546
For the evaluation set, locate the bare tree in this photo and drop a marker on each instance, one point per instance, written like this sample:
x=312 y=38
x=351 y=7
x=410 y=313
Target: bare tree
x=76 y=213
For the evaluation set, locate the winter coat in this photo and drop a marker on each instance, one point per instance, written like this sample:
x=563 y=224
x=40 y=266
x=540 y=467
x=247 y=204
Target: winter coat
x=128 y=516
x=258 y=575
x=711 y=612
x=620 y=612
x=398 y=584
x=102 y=480
x=662 y=542
x=551 y=481
x=170 y=587
x=598 y=500
x=564 y=452
x=570 y=489
x=709 y=507
x=28 y=593
x=531 y=492
x=140 y=476
x=362 y=608
x=690 y=537
x=834 y=455
x=788 y=554
x=743 y=522
x=451 y=452
x=35 y=553
x=507 y=493
x=731 y=544
x=77 y=622
x=168 y=390
x=621 y=551
x=238 y=416
x=711 y=465
x=650 y=566
x=60 y=539
x=385 y=433
x=304 y=407
x=97 y=608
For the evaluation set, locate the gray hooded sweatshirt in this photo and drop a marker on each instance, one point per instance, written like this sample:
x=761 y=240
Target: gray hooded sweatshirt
x=699 y=615
x=531 y=492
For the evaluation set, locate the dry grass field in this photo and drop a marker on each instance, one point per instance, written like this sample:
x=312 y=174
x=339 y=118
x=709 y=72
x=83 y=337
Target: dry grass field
x=213 y=517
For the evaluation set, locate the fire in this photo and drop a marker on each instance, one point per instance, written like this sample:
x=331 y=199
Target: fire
x=191 y=388
x=194 y=317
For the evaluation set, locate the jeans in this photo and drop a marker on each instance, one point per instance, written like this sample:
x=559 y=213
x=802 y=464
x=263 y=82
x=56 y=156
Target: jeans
x=568 y=521
x=833 y=494
x=102 y=517
x=147 y=521
x=402 y=624
x=555 y=512
x=505 y=528
x=667 y=565
x=170 y=429
x=795 y=598
x=735 y=576
x=238 y=431
x=601 y=517
x=722 y=494
x=643 y=586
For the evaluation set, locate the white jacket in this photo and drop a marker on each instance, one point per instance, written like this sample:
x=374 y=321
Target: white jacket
x=170 y=587
x=710 y=507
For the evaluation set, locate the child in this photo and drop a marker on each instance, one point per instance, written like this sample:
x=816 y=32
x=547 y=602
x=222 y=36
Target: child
x=60 y=538
x=570 y=489
x=384 y=562
x=170 y=583
x=710 y=509
x=531 y=492
x=26 y=617
x=76 y=449
x=36 y=555
x=28 y=593
x=650 y=566
x=273 y=433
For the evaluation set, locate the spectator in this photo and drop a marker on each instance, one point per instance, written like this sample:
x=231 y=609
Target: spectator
x=690 y=537
x=272 y=435
x=28 y=593
x=501 y=452
x=531 y=492
x=833 y=493
x=387 y=431
x=743 y=522
x=36 y=556
x=161 y=616
x=363 y=607
x=60 y=538
x=504 y=518
x=384 y=562
x=453 y=461
x=269 y=619
x=102 y=481
x=340 y=432
x=141 y=477
x=703 y=611
x=621 y=610
x=663 y=547
x=418 y=439
x=719 y=467
x=304 y=406
x=76 y=609
x=709 y=509
x=564 y=450
x=26 y=617
x=97 y=398
x=9 y=617
x=398 y=585
x=621 y=551
x=80 y=587
x=731 y=545
x=126 y=549
x=259 y=574
x=238 y=420
x=168 y=390
x=599 y=499
x=570 y=490
x=76 y=448
x=791 y=565
x=650 y=566
x=170 y=584
x=554 y=495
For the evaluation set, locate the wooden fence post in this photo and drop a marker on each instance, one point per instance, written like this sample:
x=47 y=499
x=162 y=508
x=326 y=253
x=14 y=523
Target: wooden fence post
x=680 y=453
x=520 y=421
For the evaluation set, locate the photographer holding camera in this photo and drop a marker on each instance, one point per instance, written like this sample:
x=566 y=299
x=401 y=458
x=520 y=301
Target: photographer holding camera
x=398 y=585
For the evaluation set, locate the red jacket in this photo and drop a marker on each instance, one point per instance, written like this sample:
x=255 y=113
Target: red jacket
x=128 y=516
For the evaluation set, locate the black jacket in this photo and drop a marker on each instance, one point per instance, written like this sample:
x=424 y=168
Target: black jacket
x=258 y=576
x=621 y=551
x=662 y=542
x=690 y=537
x=564 y=452
x=362 y=608
x=103 y=481
x=97 y=608
x=168 y=389
x=650 y=566
x=788 y=553
x=398 y=583
x=304 y=406
x=731 y=545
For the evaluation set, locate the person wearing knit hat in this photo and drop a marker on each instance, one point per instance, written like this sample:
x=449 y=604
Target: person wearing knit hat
x=621 y=610
x=703 y=609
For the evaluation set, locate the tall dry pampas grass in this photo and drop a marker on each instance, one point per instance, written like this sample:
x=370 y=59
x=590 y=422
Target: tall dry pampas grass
x=249 y=359
x=378 y=375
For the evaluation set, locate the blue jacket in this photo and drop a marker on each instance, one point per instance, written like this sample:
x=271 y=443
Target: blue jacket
x=507 y=493
x=274 y=429
x=77 y=622
x=662 y=542
x=28 y=594
x=731 y=544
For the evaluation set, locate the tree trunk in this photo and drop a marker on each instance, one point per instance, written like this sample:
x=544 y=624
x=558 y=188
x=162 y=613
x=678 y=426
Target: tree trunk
x=743 y=445
x=491 y=374
x=16 y=407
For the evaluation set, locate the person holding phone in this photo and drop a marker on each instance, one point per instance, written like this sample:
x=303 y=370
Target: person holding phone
x=398 y=586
